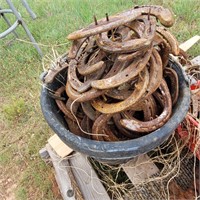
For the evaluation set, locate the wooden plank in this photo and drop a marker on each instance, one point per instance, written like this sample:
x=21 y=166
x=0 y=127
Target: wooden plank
x=87 y=179
x=189 y=43
x=44 y=153
x=62 y=177
x=140 y=168
x=59 y=146
x=196 y=60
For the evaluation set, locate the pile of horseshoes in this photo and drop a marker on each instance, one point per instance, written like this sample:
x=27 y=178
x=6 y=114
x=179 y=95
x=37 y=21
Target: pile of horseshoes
x=119 y=85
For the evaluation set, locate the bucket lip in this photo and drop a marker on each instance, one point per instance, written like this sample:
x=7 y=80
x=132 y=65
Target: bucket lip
x=120 y=149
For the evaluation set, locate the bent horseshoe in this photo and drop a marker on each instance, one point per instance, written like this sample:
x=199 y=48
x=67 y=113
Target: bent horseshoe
x=140 y=89
x=148 y=126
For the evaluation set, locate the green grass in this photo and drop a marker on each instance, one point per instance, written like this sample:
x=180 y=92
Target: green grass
x=14 y=109
x=23 y=129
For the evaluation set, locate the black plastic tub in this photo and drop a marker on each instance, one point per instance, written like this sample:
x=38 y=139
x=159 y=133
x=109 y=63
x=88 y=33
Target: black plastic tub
x=115 y=152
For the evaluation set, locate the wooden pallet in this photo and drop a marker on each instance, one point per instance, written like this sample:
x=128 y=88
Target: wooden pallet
x=76 y=177
x=74 y=174
x=77 y=180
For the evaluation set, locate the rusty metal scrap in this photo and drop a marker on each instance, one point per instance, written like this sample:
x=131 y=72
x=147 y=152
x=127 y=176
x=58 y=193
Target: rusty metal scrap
x=119 y=85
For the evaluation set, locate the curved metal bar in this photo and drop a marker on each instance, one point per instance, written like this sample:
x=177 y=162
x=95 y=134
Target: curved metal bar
x=9 y=30
x=21 y=22
x=3 y=11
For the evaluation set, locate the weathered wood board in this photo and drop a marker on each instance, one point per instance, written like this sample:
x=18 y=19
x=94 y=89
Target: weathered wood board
x=59 y=146
x=87 y=179
x=61 y=174
x=76 y=173
x=189 y=43
x=140 y=168
x=196 y=61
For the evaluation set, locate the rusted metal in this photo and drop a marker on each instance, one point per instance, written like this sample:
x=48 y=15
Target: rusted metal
x=127 y=133
x=88 y=110
x=128 y=46
x=173 y=85
x=100 y=126
x=91 y=63
x=156 y=72
x=137 y=94
x=164 y=15
x=100 y=26
x=126 y=75
x=61 y=104
x=149 y=108
x=148 y=126
x=115 y=75
x=171 y=40
x=82 y=97
x=76 y=83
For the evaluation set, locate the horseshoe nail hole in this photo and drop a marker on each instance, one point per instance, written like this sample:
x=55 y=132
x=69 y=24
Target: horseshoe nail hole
x=70 y=193
x=140 y=20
